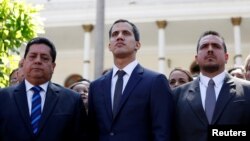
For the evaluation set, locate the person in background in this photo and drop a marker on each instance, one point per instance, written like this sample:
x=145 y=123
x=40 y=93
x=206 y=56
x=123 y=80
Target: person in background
x=20 y=74
x=238 y=72
x=13 y=78
x=194 y=69
x=36 y=108
x=179 y=76
x=130 y=102
x=82 y=87
x=16 y=76
x=247 y=68
x=215 y=99
x=106 y=71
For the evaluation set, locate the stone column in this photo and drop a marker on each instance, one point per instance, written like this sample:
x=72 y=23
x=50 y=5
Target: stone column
x=161 y=46
x=236 y=21
x=99 y=38
x=86 y=50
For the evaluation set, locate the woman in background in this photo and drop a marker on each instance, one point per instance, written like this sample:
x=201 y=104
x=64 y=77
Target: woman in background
x=178 y=77
x=82 y=87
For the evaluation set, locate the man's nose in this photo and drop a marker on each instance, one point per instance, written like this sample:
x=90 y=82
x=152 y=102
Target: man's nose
x=210 y=47
x=120 y=36
x=38 y=59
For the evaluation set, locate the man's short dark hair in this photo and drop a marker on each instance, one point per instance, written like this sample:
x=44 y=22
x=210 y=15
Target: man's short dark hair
x=42 y=40
x=210 y=32
x=135 y=29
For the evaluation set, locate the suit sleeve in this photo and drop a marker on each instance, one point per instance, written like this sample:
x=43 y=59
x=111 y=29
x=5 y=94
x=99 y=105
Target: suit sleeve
x=162 y=109
x=92 y=124
x=80 y=124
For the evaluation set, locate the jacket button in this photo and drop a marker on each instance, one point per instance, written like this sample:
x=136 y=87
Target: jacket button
x=111 y=133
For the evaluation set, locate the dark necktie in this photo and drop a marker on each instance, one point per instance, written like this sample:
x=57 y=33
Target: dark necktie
x=118 y=91
x=36 y=108
x=210 y=100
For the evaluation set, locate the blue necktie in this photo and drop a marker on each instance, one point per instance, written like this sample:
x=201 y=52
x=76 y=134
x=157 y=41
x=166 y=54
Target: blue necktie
x=118 y=91
x=36 y=108
x=210 y=100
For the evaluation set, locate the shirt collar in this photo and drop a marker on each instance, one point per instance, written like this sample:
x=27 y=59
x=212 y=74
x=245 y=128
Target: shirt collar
x=128 y=69
x=29 y=86
x=218 y=79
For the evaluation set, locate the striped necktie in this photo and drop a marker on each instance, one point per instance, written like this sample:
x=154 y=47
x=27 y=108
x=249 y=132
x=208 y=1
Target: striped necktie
x=36 y=108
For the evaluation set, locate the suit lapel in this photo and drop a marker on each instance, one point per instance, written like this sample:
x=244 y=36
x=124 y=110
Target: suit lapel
x=194 y=100
x=134 y=79
x=51 y=99
x=107 y=93
x=20 y=97
x=227 y=92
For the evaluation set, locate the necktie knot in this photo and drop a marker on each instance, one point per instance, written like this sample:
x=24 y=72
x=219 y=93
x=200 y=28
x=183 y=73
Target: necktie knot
x=36 y=89
x=211 y=82
x=120 y=73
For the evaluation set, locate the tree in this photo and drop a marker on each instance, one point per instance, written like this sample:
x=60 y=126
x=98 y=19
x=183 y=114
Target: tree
x=19 y=22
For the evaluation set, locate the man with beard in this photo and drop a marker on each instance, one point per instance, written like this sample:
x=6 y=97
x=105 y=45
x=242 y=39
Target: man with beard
x=214 y=99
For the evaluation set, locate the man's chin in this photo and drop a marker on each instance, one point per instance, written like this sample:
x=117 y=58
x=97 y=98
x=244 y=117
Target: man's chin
x=37 y=76
x=211 y=68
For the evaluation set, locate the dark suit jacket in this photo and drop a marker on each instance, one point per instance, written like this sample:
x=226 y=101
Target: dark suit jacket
x=63 y=115
x=232 y=108
x=145 y=112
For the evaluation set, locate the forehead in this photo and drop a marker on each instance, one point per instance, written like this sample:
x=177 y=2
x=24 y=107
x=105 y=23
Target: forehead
x=85 y=83
x=39 y=48
x=178 y=74
x=210 y=39
x=121 y=26
x=236 y=71
x=80 y=85
x=14 y=74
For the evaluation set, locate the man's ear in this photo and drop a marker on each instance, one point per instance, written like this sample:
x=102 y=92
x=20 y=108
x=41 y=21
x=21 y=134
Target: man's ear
x=226 y=57
x=137 y=45
x=196 y=59
x=109 y=47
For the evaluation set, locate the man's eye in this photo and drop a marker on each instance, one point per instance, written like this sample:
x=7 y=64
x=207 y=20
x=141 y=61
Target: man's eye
x=126 y=33
x=215 y=45
x=203 y=46
x=45 y=58
x=114 y=34
x=32 y=57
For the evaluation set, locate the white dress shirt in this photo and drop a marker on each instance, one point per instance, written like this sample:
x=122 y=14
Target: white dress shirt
x=218 y=80
x=128 y=69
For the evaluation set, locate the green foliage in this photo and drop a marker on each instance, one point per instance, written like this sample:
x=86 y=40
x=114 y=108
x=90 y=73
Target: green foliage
x=19 y=23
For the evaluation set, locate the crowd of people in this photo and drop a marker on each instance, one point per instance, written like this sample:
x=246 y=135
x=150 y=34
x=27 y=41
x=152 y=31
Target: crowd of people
x=128 y=102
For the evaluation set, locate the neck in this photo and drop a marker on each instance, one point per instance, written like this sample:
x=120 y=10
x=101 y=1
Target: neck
x=122 y=62
x=211 y=75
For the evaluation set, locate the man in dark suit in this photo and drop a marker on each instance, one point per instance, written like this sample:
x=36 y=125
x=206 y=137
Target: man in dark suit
x=200 y=107
x=145 y=108
x=37 y=109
